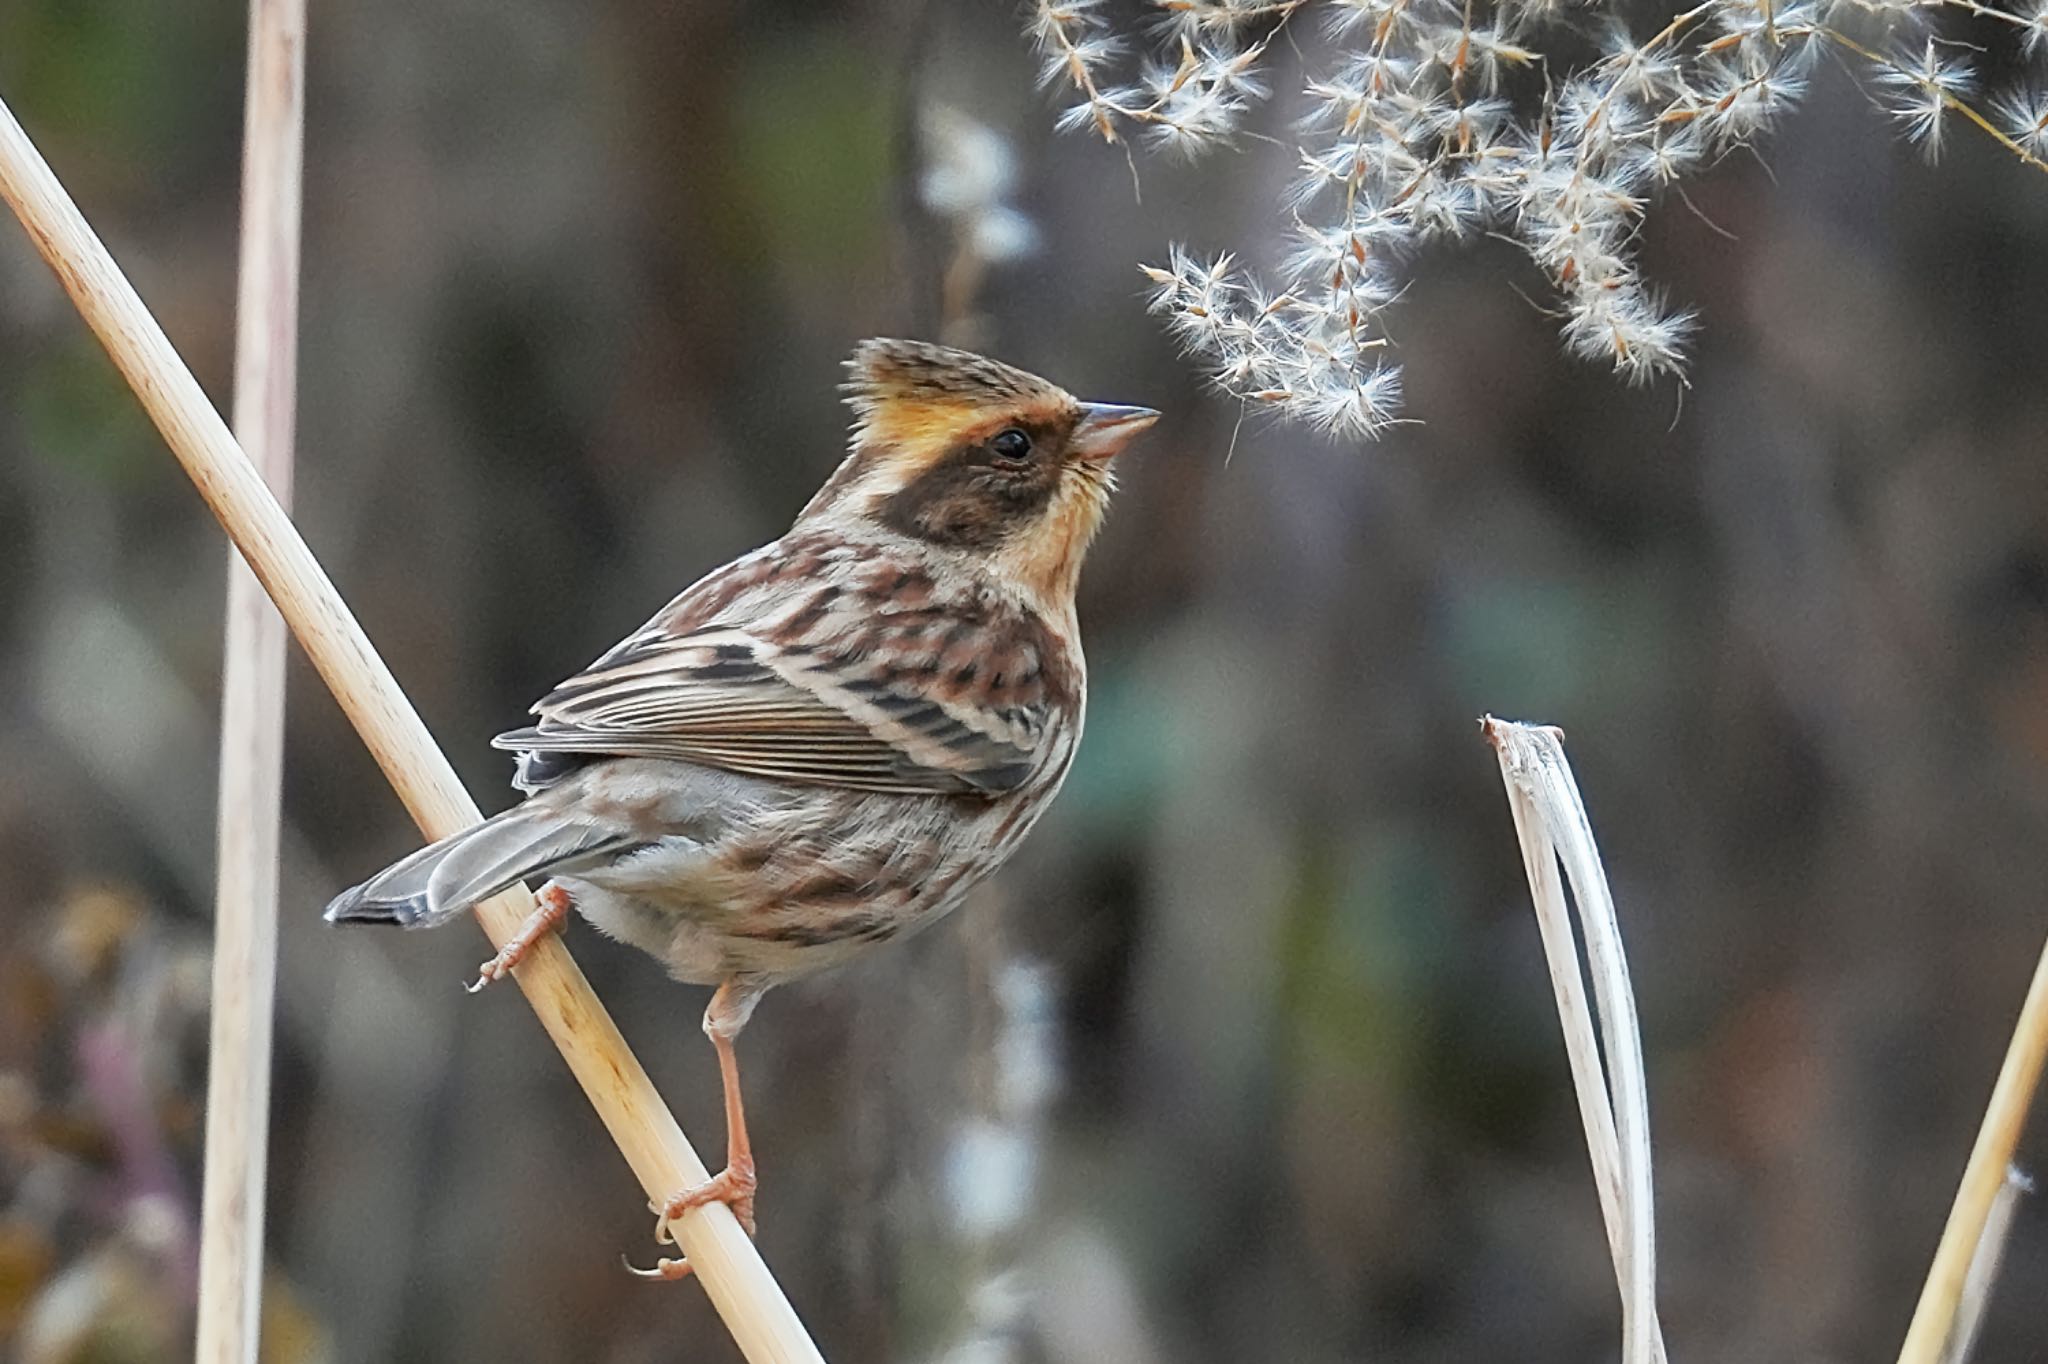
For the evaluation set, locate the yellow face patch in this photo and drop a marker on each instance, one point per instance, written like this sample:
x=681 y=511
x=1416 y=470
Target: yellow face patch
x=906 y=436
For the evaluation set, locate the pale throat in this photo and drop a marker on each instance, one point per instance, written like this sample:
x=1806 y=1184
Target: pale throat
x=1045 y=560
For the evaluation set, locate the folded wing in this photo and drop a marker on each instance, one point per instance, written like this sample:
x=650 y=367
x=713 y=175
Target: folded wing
x=821 y=682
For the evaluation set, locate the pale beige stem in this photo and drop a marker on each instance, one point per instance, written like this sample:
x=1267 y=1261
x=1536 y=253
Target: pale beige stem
x=252 y=705
x=1987 y=1262
x=738 y=1282
x=1934 y=1318
x=1555 y=834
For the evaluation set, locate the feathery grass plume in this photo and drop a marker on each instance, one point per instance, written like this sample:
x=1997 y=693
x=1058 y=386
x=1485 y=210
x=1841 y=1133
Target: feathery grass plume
x=1551 y=825
x=1188 y=99
x=2024 y=116
x=1922 y=90
x=1424 y=121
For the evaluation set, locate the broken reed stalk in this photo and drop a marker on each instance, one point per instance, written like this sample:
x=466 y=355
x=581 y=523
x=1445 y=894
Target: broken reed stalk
x=252 y=705
x=1987 y=1262
x=1934 y=1318
x=1552 y=828
x=745 y=1294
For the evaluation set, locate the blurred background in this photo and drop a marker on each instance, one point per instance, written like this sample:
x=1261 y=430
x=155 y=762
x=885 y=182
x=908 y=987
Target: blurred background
x=1251 y=1053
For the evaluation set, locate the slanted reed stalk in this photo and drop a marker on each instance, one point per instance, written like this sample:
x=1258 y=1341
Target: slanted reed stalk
x=1986 y=1263
x=1934 y=1319
x=760 y=1318
x=252 y=704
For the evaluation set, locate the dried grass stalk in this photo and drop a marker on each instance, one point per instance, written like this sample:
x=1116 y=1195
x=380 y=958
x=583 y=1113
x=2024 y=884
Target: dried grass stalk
x=1551 y=825
x=1934 y=1319
x=738 y=1282
x=1986 y=1263
x=252 y=705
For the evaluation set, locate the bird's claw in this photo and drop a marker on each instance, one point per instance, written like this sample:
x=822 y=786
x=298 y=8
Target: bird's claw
x=666 y=1270
x=733 y=1186
x=497 y=968
x=550 y=912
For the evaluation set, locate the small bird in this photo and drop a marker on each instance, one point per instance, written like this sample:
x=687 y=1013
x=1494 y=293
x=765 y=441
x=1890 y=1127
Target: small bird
x=826 y=743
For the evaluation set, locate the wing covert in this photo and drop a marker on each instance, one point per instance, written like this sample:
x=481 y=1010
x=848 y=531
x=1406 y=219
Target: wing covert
x=863 y=679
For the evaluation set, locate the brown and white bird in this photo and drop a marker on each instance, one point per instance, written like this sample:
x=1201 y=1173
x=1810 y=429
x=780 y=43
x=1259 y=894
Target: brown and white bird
x=824 y=744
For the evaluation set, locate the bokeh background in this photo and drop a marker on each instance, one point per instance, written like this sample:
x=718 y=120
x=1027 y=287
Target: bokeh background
x=1251 y=1054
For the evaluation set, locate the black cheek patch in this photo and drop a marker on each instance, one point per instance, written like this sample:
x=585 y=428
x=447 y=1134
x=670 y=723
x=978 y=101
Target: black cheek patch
x=964 y=503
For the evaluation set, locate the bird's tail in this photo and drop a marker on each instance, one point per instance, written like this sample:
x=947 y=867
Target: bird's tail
x=438 y=882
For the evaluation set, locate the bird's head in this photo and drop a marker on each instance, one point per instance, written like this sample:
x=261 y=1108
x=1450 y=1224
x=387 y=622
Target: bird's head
x=974 y=458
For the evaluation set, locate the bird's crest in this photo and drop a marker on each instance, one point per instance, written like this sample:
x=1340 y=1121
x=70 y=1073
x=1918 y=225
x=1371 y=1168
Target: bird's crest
x=916 y=383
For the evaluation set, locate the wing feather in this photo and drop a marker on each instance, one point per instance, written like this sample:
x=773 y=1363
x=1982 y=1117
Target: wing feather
x=801 y=665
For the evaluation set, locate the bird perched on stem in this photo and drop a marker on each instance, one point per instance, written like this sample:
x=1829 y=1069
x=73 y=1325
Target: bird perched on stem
x=824 y=744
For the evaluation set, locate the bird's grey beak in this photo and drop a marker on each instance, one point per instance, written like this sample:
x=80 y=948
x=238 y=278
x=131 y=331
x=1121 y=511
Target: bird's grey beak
x=1106 y=428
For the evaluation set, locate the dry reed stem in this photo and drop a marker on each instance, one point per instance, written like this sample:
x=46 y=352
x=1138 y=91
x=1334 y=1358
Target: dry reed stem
x=1985 y=1174
x=760 y=1318
x=1987 y=1262
x=1552 y=829
x=252 y=705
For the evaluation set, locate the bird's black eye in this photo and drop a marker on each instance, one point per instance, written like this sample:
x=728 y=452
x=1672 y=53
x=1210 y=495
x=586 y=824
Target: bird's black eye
x=1011 y=446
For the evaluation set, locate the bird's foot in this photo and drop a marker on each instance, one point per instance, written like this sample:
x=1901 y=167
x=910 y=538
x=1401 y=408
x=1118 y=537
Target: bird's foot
x=733 y=1186
x=550 y=915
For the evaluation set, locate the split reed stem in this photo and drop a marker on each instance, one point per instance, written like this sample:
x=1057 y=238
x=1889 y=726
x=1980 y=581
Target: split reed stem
x=1983 y=1176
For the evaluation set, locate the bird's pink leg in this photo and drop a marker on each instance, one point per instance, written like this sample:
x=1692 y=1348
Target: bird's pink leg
x=550 y=915
x=735 y=1185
